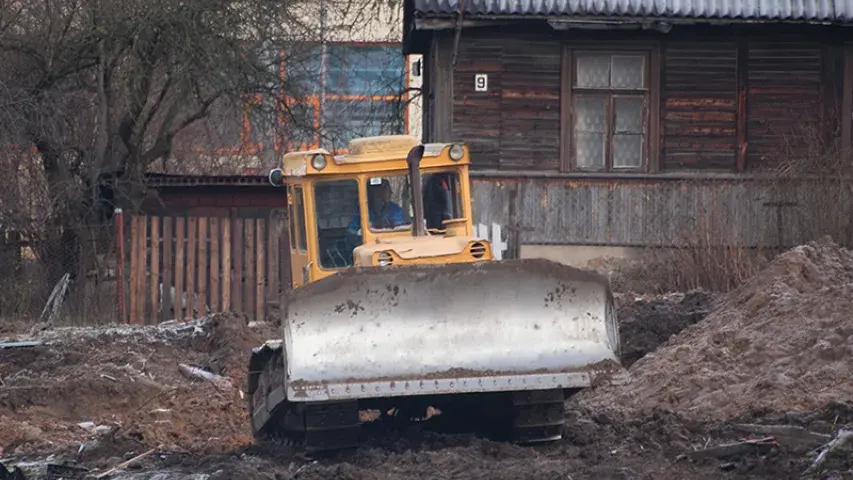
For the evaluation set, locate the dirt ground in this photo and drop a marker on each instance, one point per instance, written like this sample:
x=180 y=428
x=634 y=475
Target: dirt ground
x=126 y=383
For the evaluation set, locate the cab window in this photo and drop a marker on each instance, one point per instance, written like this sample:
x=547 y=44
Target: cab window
x=292 y=217
x=442 y=198
x=338 y=222
x=389 y=203
x=299 y=217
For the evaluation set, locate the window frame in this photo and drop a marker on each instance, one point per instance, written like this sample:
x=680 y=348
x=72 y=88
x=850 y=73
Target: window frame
x=302 y=233
x=650 y=51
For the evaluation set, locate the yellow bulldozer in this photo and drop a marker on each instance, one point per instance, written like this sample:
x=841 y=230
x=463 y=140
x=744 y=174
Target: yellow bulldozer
x=397 y=307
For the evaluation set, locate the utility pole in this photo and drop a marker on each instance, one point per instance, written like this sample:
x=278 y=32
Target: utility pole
x=323 y=62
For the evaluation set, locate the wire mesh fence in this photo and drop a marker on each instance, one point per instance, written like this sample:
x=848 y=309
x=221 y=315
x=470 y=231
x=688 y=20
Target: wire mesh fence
x=43 y=269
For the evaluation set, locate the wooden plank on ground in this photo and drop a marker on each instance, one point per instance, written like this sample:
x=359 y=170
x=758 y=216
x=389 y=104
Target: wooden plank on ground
x=260 y=276
x=226 y=264
x=168 y=269
x=249 y=278
x=154 y=281
x=192 y=228
x=215 y=271
x=237 y=258
x=177 y=302
x=134 y=269
x=203 y=302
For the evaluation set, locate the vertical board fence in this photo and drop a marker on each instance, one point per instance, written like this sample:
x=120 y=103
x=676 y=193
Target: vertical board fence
x=186 y=267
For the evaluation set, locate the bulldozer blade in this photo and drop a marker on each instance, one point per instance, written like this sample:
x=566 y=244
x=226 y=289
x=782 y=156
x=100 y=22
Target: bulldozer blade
x=509 y=325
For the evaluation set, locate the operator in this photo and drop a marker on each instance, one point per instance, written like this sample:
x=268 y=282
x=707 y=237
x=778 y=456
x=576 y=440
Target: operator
x=437 y=201
x=382 y=212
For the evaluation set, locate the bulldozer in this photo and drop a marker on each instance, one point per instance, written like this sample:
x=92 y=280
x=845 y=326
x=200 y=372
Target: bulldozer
x=397 y=307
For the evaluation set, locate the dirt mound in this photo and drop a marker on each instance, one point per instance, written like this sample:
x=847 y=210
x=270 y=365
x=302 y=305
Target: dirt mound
x=119 y=388
x=645 y=324
x=780 y=342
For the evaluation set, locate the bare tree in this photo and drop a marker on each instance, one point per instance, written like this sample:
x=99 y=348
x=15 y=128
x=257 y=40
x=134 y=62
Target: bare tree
x=93 y=93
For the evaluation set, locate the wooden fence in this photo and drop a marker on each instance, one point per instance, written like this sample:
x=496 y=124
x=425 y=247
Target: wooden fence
x=188 y=267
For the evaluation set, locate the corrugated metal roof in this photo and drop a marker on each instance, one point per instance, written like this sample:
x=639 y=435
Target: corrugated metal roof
x=791 y=10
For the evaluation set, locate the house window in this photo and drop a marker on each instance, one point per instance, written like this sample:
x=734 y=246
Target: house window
x=261 y=133
x=609 y=100
x=344 y=91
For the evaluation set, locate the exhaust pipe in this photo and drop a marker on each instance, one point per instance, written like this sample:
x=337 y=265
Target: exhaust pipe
x=413 y=159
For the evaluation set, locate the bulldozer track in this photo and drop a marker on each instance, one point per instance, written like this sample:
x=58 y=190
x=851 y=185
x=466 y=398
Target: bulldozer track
x=530 y=417
x=315 y=427
x=538 y=416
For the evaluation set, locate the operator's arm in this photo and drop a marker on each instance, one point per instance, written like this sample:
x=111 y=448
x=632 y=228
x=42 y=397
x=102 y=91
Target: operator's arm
x=353 y=236
x=354 y=225
x=395 y=215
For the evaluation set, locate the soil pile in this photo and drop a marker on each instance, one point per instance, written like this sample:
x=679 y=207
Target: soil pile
x=781 y=342
x=647 y=323
x=120 y=388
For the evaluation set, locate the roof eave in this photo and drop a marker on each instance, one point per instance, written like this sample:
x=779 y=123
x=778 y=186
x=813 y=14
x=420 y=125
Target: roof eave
x=421 y=22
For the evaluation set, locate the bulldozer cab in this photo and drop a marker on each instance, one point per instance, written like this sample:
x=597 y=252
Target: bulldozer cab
x=339 y=203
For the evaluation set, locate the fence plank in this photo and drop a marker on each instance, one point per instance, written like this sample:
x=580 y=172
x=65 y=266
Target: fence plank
x=286 y=275
x=260 y=302
x=226 y=264
x=214 y=265
x=134 y=268
x=202 y=266
x=272 y=258
x=166 y=293
x=249 y=278
x=239 y=274
x=141 y=270
x=155 y=269
x=190 y=266
x=177 y=302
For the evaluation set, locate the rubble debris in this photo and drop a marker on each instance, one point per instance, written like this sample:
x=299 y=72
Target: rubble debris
x=92 y=427
x=842 y=438
x=65 y=472
x=780 y=342
x=29 y=344
x=196 y=373
x=53 y=305
x=791 y=433
x=126 y=464
x=15 y=474
x=762 y=445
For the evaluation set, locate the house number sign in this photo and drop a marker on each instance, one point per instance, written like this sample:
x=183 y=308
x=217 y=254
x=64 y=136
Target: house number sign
x=481 y=82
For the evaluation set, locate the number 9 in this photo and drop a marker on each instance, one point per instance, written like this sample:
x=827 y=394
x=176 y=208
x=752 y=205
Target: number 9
x=480 y=82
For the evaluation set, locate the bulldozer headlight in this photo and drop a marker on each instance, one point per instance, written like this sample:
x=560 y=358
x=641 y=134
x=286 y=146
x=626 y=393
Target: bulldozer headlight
x=318 y=161
x=384 y=258
x=276 y=177
x=456 y=152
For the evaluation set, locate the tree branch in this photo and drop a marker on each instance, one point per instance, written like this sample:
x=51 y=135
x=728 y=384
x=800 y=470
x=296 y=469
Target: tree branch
x=163 y=146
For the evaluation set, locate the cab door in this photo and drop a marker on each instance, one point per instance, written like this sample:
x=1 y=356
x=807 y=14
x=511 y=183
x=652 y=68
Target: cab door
x=299 y=259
